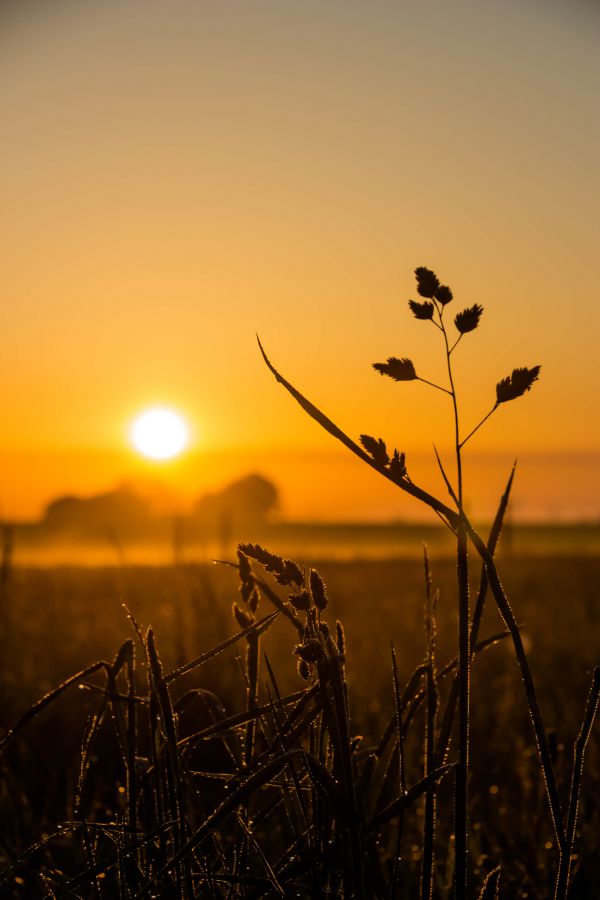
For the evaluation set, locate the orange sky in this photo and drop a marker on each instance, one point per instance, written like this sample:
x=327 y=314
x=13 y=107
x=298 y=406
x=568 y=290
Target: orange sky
x=178 y=175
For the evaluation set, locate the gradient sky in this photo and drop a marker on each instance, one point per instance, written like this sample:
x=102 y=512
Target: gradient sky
x=178 y=175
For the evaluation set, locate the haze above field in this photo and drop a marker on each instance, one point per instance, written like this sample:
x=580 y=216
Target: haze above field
x=179 y=175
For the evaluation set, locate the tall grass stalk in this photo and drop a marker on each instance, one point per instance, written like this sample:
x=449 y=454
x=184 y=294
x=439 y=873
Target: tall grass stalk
x=429 y=819
x=374 y=453
x=461 y=796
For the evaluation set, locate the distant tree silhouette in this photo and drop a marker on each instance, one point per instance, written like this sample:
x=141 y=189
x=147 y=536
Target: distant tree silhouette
x=120 y=510
x=123 y=513
x=249 y=500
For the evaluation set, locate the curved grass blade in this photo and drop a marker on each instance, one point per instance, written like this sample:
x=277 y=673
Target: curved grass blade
x=238 y=796
x=48 y=698
x=562 y=881
x=491 y=886
x=530 y=692
x=336 y=432
x=397 y=806
x=259 y=627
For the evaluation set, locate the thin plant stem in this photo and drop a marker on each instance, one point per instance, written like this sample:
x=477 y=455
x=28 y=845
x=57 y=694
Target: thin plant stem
x=494 y=535
x=455 y=344
x=461 y=797
x=477 y=427
x=447 y=482
x=401 y=776
x=432 y=384
x=461 y=801
x=429 y=820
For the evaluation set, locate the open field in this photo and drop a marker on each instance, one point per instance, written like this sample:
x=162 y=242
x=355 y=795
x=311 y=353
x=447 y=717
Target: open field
x=299 y=540
x=58 y=621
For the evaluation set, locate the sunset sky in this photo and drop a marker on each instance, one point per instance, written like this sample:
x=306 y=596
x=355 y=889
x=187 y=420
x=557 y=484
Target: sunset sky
x=178 y=175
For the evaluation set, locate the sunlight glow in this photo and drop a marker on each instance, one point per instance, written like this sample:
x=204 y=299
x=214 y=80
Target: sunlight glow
x=159 y=433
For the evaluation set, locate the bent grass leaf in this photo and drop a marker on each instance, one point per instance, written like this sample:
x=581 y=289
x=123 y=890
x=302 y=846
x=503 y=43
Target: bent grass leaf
x=225 y=727
x=284 y=608
x=147 y=840
x=257 y=627
x=528 y=683
x=398 y=369
x=40 y=704
x=237 y=796
x=566 y=856
x=330 y=789
x=398 y=805
x=409 y=487
x=516 y=384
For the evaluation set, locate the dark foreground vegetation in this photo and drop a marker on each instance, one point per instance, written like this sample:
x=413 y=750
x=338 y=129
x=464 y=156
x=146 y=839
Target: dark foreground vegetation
x=74 y=831
x=178 y=772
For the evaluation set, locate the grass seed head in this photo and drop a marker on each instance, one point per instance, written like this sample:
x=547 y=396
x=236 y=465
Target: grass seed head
x=397 y=464
x=427 y=282
x=286 y=571
x=398 y=369
x=310 y=650
x=516 y=384
x=443 y=294
x=468 y=319
x=304 y=669
x=247 y=589
x=244 y=619
x=245 y=569
x=253 y=601
x=376 y=448
x=421 y=310
x=301 y=600
x=318 y=591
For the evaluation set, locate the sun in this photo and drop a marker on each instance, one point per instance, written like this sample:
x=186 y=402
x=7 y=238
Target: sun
x=159 y=433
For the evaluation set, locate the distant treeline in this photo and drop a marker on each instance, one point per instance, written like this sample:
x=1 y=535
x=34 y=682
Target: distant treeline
x=126 y=513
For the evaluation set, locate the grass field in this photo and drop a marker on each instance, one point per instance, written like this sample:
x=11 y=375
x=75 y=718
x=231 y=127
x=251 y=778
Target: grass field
x=58 y=621
x=372 y=729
